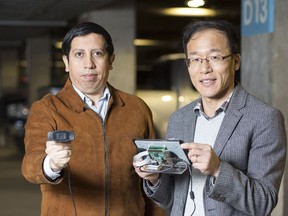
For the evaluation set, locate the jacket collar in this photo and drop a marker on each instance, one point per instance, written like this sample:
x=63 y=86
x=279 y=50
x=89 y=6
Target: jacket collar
x=239 y=98
x=69 y=96
x=115 y=99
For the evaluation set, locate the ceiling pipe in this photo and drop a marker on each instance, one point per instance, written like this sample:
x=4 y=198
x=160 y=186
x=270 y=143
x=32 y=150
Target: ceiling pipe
x=21 y=23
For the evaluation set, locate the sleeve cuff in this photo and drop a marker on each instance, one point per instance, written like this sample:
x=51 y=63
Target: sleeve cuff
x=48 y=172
x=151 y=189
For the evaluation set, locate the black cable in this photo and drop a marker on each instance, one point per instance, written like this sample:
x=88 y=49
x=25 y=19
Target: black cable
x=192 y=195
x=175 y=161
x=171 y=166
x=70 y=191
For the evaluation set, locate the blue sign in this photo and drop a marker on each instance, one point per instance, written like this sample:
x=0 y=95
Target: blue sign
x=257 y=17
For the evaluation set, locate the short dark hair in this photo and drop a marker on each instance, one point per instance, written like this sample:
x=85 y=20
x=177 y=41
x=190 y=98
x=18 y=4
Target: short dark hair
x=221 y=25
x=83 y=29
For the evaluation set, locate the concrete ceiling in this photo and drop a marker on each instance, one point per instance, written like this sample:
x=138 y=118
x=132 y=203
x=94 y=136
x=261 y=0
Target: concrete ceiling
x=20 y=19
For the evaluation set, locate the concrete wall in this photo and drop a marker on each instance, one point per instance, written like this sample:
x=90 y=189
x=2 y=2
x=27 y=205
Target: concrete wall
x=264 y=74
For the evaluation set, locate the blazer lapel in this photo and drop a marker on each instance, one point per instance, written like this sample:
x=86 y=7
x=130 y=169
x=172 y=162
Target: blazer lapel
x=231 y=118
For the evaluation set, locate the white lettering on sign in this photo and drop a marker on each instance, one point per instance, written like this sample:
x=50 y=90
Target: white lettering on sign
x=255 y=11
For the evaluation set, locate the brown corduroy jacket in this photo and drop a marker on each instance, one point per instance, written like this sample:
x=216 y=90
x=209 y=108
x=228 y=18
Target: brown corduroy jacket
x=100 y=171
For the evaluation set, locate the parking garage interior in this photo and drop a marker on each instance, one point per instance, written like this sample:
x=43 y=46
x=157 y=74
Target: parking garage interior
x=31 y=66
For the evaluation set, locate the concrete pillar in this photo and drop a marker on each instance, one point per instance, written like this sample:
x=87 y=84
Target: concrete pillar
x=8 y=70
x=120 y=23
x=38 y=55
x=264 y=74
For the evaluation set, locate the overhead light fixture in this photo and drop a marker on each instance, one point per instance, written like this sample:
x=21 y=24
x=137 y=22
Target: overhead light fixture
x=150 y=42
x=184 y=11
x=195 y=3
x=171 y=57
x=166 y=98
x=58 y=44
x=145 y=42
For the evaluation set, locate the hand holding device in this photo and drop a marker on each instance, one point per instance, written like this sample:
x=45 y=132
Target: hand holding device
x=160 y=156
x=58 y=150
x=152 y=177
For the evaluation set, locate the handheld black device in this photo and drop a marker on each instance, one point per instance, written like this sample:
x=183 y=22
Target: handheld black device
x=61 y=136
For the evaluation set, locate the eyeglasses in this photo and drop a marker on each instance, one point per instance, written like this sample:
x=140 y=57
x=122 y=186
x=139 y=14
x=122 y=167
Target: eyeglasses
x=212 y=60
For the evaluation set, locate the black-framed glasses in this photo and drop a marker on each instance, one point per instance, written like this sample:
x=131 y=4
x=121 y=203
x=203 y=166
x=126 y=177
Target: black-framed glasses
x=214 y=60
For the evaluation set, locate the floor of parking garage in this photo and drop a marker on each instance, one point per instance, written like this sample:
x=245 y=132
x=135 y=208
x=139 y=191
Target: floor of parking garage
x=17 y=196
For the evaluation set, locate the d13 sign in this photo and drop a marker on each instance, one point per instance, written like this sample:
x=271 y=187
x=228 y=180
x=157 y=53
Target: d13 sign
x=257 y=17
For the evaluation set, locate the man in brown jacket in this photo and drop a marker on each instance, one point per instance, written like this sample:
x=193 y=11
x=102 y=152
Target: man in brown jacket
x=92 y=174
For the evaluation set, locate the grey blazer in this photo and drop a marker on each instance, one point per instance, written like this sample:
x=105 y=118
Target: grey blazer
x=251 y=145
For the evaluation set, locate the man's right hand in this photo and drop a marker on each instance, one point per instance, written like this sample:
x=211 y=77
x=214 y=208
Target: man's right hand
x=59 y=153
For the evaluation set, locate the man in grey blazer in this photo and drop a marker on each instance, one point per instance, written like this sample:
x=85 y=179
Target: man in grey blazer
x=236 y=142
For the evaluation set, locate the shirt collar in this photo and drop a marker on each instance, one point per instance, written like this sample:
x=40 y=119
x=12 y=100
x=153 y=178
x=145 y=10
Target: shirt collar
x=198 y=109
x=106 y=95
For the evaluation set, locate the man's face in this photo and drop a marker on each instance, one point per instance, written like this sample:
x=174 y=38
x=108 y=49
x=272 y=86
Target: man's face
x=213 y=81
x=89 y=64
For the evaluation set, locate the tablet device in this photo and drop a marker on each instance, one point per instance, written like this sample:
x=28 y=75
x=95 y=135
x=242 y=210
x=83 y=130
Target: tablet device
x=166 y=156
